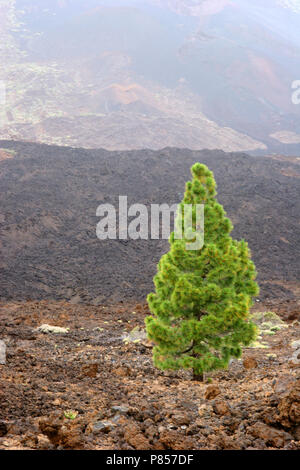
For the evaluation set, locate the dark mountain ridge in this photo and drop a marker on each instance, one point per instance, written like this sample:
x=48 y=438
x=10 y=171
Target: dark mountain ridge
x=49 y=197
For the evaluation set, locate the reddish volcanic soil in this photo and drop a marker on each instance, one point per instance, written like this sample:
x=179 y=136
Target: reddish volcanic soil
x=88 y=389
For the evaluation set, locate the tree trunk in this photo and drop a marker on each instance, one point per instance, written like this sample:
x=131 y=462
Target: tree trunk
x=198 y=377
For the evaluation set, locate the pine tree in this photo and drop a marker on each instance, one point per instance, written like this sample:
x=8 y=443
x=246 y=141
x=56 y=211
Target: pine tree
x=200 y=310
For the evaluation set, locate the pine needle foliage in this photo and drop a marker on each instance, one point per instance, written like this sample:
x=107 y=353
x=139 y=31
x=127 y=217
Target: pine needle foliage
x=200 y=308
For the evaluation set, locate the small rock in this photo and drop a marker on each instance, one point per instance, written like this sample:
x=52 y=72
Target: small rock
x=52 y=329
x=193 y=429
x=100 y=416
x=50 y=427
x=61 y=434
x=289 y=406
x=57 y=402
x=250 y=362
x=296 y=344
x=43 y=442
x=117 y=419
x=205 y=410
x=295 y=358
x=211 y=392
x=135 y=437
x=271 y=436
x=229 y=443
x=158 y=417
x=2 y=353
x=122 y=371
x=176 y=441
x=90 y=370
x=103 y=426
x=221 y=408
x=181 y=419
x=120 y=409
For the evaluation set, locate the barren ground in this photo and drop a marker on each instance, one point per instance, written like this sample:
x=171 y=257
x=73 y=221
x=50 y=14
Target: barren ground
x=60 y=390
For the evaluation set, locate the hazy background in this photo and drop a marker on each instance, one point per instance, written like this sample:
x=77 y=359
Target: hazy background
x=155 y=73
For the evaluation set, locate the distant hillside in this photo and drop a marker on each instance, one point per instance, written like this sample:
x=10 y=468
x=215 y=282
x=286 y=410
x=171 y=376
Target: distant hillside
x=48 y=201
x=126 y=74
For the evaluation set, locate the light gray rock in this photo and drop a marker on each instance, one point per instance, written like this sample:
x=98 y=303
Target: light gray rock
x=295 y=359
x=296 y=344
x=103 y=426
x=52 y=329
x=120 y=409
x=2 y=353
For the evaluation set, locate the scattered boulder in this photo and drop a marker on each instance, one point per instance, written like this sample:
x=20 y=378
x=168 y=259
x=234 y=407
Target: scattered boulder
x=296 y=344
x=270 y=436
x=50 y=427
x=181 y=419
x=221 y=408
x=211 y=392
x=43 y=443
x=229 y=442
x=122 y=371
x=103 y=426
x=90 y=370
x=135 y=437
x=289 y=407
x=120 y=409
x=66 y=435
x=45 y=328
x=250 y=362
x=171 y=439
x=205 y=410
x=295 y=359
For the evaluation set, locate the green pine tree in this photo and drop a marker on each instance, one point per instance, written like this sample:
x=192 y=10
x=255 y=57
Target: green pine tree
x=201 y=305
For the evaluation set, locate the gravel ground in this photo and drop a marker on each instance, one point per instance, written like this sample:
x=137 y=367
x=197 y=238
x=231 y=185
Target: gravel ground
x=88 y=388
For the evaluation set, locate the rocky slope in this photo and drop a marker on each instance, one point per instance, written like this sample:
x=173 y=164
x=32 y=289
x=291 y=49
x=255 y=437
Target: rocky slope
x=49 y=197
x=93 y=386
